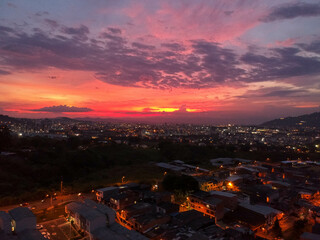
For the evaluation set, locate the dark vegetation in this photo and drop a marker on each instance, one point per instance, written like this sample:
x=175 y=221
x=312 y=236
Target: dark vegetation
x=181 y=183
x=181 y=186
x=277 y=229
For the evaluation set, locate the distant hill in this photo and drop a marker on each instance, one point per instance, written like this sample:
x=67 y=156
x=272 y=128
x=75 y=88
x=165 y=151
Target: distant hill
x=6 y=118
x=308 y=120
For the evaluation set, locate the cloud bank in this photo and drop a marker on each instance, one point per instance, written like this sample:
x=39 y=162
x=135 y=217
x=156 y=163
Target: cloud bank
x=62 y=109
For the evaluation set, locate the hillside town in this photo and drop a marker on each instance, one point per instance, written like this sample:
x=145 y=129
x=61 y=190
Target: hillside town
x=236 y=199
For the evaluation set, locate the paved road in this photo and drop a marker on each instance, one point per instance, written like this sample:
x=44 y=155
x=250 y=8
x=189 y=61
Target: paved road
x=38 y=205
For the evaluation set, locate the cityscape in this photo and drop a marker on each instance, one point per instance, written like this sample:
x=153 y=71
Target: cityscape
x=161 y=120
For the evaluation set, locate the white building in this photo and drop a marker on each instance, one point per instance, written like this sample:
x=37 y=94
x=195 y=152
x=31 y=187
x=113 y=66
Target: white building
x=99 y=221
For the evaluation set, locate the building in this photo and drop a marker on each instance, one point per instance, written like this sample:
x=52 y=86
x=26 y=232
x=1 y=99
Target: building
x=85 y=217
x=230 y=200
x=121 y=200
x=105 y=193
x=207 y=204
x=309 y=236
x=124 y=216
x=208 y=183
x=167 y=207
x=22 y=219
x=148 y=221
x=98 y=221
x=19 y=224
x=5 y=223
x=269 y=214
x=260 y=193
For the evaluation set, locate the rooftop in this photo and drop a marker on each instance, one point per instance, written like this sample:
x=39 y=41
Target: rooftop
x=20 y=213
x=170 y=166
x=224 y=194
x=310 y=236
x=261 y=209
x=233 y=178
x=213 y=201
x=107 y=189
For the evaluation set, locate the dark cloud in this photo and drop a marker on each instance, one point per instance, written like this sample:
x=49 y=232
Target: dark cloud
x=115 y=61
x=61 y=109
x=77 y=32
x=174 y=46
x=143 y=46
x=279 y=92
x=3 y=72
x=289 y=11
x=5 y=30
x=286 y=93
x=112 y=37
x=40 y=14
x=51 y=23
x=228 y=13
x=284 y=63
x=312 y=47
x=115 y=30
x=11 y=5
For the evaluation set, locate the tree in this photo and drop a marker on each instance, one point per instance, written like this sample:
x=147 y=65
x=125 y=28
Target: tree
x=277 y=229
x=181 y=183
x=5 y=137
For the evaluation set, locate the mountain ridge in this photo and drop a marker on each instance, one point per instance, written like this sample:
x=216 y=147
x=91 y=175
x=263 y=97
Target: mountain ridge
x=306 y=120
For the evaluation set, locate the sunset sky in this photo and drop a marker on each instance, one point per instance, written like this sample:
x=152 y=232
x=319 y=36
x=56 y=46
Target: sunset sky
x=160 y=61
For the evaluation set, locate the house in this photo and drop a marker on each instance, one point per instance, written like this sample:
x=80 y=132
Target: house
x=269 y=214
x=105 y=193
x=98 y=221
x=157 y=197
x=108 y=212
x=167 y=207
x=234 y=179
x=261 y=193
x=221 y=174
x=204 y=202
x=279 y=184
x=229 y=161
x=309 y=236
x=208 y=183
x=116 y=232
x=123 y=199
x=22 y=219
x=230 y=200
x=171 y=167
x=85 y=217
x=19 y=224
x=124 y=215
x=247 y=170
x=252 y=216
x=5 y=223
x=146 y=222
x=142 y=217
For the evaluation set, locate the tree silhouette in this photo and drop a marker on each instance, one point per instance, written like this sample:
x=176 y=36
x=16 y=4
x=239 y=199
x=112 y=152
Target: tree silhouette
x=5 y=137
x=277 y=229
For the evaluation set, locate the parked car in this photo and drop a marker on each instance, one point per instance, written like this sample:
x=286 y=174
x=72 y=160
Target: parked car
x=39 y=227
